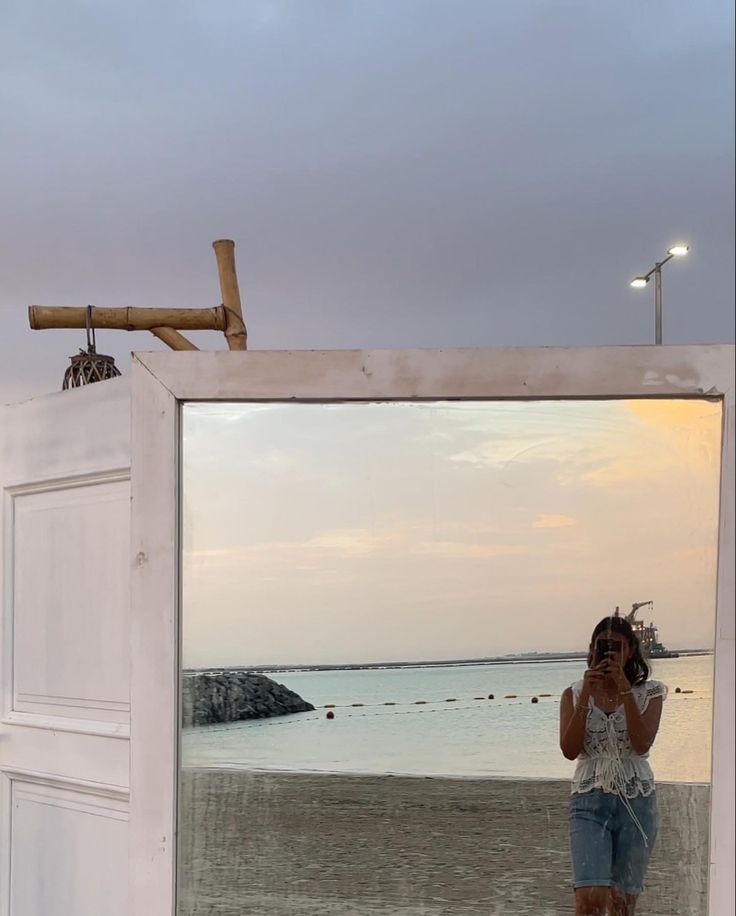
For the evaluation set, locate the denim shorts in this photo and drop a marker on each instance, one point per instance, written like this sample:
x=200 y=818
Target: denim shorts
x=608 y=849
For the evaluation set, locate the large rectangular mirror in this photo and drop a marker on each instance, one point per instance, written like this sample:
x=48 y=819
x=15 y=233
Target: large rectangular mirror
x=388 y=609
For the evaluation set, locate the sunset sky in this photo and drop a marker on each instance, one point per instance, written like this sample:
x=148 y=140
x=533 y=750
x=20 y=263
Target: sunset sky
x=392 y=531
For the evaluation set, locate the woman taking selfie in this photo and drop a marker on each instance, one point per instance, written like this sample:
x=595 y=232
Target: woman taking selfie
x=608 y=722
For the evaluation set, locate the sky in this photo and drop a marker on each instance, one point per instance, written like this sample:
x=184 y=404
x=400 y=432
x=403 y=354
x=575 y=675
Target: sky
x=342 y=533
x=413 y=174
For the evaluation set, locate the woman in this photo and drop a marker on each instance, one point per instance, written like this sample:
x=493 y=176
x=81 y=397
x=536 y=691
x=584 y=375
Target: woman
x=608 y=722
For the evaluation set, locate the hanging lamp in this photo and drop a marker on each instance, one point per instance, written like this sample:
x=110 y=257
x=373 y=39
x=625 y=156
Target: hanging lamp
x=88 y=365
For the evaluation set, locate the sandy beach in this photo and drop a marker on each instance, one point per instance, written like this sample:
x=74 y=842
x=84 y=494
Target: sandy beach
x=296 y=844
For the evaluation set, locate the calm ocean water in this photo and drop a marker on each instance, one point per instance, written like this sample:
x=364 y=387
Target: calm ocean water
x=469 y=737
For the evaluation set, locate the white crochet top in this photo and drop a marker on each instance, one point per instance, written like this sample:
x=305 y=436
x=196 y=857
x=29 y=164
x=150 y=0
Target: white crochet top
x=608 y=761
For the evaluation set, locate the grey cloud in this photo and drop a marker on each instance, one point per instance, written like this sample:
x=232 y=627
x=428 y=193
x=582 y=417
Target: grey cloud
x=394 y=174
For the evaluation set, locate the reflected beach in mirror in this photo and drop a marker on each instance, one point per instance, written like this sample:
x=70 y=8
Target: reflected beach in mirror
x=376 y=592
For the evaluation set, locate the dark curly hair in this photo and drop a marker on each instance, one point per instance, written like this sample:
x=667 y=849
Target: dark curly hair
x=635 y=669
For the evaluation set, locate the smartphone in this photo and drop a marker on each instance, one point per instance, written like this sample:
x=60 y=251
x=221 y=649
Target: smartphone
x=603 y=647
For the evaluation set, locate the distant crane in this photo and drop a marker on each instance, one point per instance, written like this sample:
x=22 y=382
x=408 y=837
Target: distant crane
x=648 y=635
x=631 y=616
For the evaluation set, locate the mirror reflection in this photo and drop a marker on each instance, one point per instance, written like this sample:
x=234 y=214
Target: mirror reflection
x=448 y=657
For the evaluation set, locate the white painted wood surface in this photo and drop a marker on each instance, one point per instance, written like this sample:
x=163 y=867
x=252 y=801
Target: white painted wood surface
x=161 y=381
x=64 y=624
x=723 y=796
x=154 y=644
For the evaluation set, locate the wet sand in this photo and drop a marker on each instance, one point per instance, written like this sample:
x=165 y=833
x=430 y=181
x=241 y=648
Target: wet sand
x=296 y=844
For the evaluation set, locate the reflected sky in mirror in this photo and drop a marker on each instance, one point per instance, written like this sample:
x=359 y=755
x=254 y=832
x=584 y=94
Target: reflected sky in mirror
x=318 y=533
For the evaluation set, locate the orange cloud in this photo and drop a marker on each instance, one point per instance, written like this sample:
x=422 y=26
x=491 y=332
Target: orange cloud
x=554 y=521
x=676 y=415
x=459 y=550
x=348 y=543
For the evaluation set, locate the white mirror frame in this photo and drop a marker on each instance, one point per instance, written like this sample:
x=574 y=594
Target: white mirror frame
x=162 y=381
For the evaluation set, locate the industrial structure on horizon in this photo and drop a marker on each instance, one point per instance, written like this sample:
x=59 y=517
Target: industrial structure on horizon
x=651 y=645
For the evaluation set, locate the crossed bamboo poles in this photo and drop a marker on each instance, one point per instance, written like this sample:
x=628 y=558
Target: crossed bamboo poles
x=162 y=323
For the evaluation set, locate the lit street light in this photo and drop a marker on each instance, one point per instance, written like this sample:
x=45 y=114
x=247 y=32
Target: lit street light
x=676 y=251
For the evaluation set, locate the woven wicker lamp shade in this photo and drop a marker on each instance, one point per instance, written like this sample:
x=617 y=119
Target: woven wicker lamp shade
x=88 y=365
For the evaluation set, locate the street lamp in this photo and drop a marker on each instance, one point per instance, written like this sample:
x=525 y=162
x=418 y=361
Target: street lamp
x=676 y=251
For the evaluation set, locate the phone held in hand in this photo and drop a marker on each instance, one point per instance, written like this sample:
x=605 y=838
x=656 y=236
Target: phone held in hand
x=603 y=647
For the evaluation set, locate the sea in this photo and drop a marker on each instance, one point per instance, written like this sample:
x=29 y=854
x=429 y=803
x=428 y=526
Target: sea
x=440 y=721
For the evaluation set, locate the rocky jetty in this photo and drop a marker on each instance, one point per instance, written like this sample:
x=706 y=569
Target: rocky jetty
x=232 y=696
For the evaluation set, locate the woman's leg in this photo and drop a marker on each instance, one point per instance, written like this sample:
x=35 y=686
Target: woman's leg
x=591 y=848
x=591 y=817
x=593 y=901
x=622 y=904
x=631 y=851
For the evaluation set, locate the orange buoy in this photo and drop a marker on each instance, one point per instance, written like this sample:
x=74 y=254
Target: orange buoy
x=491 y=697
x=535 y=700
x=678 y=690
x=330 y=715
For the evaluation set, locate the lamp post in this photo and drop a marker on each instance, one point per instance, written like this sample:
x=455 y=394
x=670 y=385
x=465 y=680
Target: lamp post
x=676 y=251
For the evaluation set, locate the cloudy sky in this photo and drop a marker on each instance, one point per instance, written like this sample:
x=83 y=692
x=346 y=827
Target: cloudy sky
x=368 y=532
x=414 y=173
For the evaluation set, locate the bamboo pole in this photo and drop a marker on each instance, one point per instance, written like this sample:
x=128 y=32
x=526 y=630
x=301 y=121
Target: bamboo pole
x=129 y=319
x=164 y=324
x=235 y=332
x=173 y=339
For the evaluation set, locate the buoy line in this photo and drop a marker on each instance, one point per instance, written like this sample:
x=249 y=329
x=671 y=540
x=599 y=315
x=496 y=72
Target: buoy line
x=287 y=720
x=534 y=697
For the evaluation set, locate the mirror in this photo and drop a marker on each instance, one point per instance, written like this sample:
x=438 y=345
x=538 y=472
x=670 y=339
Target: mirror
x=383 y=604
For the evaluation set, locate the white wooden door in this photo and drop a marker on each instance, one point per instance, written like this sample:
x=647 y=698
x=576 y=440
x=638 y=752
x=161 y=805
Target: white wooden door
x=64 y=610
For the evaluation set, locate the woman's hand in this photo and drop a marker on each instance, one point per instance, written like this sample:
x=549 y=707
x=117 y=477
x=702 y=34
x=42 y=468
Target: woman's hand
x=593 y=677
x=614 y=671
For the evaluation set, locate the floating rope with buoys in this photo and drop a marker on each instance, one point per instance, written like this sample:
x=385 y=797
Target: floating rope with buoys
x=533 y=697
x=490 y=696
x=411 y=708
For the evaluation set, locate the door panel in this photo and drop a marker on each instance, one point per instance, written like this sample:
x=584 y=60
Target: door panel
x=64 y=842
x=78 y=533
x=65 y=716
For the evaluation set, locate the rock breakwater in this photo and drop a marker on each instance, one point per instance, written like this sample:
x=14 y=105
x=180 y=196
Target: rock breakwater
x=233 y=696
